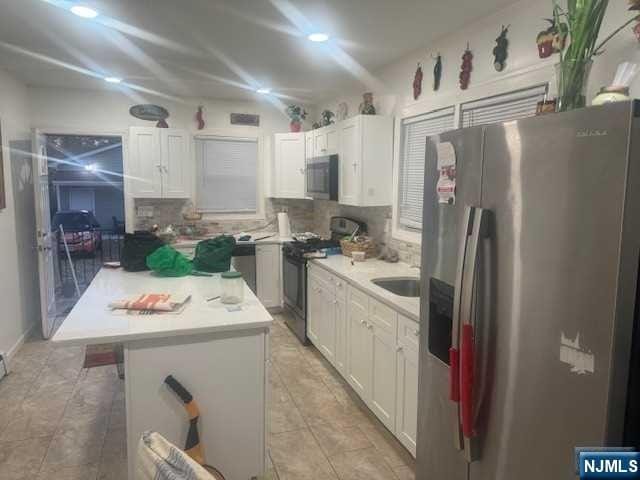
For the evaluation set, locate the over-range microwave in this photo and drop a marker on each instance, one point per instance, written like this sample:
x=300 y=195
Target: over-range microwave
x=322 y=177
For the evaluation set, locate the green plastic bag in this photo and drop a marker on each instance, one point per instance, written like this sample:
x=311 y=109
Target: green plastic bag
x=214 y=255
x=168 y=262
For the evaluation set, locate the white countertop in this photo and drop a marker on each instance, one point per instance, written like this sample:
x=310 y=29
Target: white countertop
x=360 y=274
x=91 y=321
x=276 y=238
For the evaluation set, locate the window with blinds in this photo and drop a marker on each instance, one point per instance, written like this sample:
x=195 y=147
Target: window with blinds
x=227 y=179
x=502 y=108
x=415 y=131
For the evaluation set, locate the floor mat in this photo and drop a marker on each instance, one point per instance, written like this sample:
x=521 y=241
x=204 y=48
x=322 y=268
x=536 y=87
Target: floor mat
x=101 y=355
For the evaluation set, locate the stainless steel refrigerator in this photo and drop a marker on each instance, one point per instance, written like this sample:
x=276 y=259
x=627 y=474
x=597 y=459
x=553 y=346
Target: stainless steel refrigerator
x=530 y=280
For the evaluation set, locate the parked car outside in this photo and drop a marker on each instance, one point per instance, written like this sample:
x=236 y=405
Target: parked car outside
x=81 y=231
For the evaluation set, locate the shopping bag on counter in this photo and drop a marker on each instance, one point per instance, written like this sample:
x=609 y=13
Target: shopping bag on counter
x=166 y=261
x=214 y=255
x=137 y=246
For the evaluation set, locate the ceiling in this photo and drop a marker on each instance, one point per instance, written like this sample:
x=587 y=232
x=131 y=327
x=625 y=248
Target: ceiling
x=221 y=48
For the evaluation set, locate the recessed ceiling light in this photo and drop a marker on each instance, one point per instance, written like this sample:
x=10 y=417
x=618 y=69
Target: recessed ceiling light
x=112 y=79
x=84 y=11
x=318 y=37
x=264 y=91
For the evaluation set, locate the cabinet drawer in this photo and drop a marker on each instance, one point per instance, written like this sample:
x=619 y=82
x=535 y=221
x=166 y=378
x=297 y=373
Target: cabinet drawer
x=408 y=333
x=383 y=316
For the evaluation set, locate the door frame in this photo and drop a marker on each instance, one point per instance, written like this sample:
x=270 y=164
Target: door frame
x=124 y=135
x=128 y=200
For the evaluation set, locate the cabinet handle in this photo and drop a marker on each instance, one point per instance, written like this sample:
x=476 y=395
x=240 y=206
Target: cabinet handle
x=338 y=284
x=399 y=348
x=335 y=302
x=362 y=322
x=302 y=171
x=416 y=333
x=369 y=326
x=159 y=167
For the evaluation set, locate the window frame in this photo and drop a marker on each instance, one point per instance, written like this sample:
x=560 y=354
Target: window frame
x=399 y=231
x=520 y=79
x=239 y=133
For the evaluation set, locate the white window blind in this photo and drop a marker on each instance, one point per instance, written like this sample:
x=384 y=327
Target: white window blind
x=502 y=108
x=227 y=175
x=415 y=131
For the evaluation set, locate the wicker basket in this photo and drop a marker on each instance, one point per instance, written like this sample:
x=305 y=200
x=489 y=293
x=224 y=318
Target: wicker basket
x=369 y=247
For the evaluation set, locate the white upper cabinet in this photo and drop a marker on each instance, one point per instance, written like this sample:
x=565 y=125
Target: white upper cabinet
x=176 y=163
x=308 y=145
x=289 y=164
x=326 y=141
x=366 y=156
x=159 y=163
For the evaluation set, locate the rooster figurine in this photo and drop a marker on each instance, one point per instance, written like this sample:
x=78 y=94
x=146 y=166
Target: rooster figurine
x=200 y=118
x=465 y=69
x=417 y=82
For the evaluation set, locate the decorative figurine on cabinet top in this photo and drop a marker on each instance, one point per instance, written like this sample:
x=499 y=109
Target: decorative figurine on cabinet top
x=552 y=40
x=366 y=107
x=327 y=117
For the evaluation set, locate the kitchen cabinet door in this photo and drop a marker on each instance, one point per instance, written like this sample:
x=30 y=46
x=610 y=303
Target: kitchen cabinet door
x=314 y=310
x=308 y=145
x=143 y=166
x=360 y=344
x=340 y=361
x=383 y=383
x=407 y=397
x=320 y=142
x=289 y=165
x=327 y=325
x=350 y=161
x=332 y=139
x=176 y=163
x=268 y=280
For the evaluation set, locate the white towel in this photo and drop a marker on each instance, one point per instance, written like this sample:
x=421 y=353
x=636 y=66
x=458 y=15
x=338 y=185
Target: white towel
x=160 y=460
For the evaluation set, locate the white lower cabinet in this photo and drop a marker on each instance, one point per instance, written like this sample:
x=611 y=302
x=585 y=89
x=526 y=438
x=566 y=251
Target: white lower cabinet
x=407 y=383
x=371 y=345
x=268 y=267
x=359 y=344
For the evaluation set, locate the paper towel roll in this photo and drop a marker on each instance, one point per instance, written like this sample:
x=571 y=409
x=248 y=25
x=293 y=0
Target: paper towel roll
x=284 y=226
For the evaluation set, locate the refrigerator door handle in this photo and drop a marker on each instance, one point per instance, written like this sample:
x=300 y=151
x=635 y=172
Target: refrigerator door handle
x=467 y=348
x=454 y=351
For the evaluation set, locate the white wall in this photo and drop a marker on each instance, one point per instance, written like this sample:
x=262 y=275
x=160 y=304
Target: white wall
x=57 y=110
x=18 y=288
x=524 y=67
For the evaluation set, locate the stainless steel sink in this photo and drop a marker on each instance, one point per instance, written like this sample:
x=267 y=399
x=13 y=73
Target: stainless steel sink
x=403 y=286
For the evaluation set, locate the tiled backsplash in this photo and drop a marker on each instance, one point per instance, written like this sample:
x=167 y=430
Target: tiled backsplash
x=170 y=211
x=305 y=215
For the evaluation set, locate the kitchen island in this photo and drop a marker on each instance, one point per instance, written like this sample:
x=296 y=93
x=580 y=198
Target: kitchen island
x=218 y=353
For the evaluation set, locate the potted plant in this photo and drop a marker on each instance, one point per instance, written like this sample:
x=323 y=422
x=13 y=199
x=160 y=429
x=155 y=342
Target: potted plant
x=296 y=115
x=582 y=19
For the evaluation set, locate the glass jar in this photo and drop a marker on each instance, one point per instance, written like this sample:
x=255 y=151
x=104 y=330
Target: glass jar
x=232 y=287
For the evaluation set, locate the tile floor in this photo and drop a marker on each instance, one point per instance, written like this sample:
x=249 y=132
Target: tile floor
x=60 y=421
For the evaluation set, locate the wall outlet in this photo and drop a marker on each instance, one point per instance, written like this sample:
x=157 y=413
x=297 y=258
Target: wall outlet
x=144 y=212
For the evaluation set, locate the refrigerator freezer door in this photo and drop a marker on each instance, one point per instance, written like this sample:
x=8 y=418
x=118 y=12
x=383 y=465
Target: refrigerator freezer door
x=555 y=187
x=444 y=233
